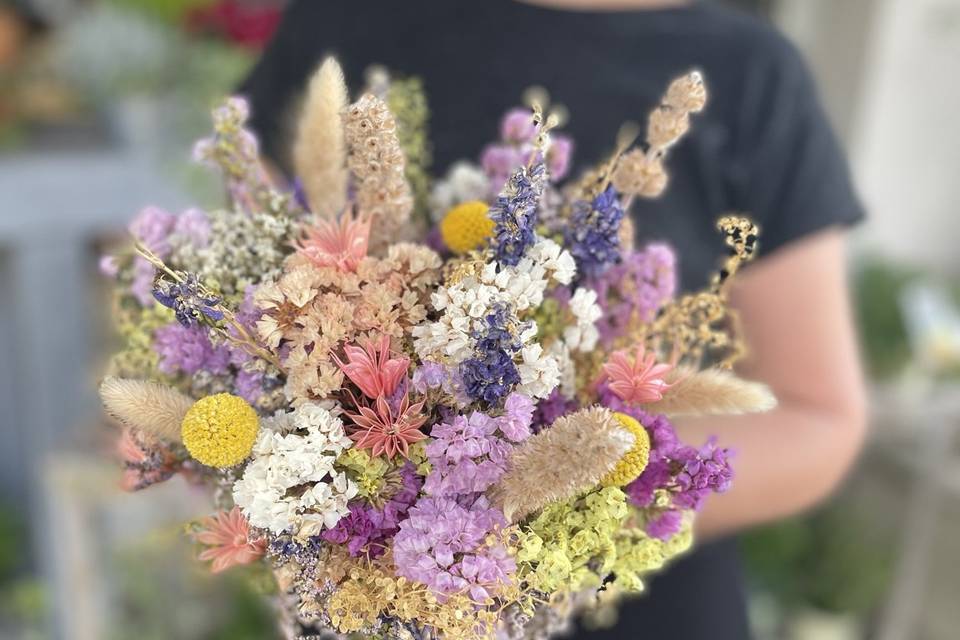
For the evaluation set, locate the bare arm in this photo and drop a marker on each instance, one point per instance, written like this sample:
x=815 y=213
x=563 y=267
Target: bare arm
x=797 y=322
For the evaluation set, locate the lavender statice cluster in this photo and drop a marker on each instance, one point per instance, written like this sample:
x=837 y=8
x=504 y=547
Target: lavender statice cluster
x=593 y=235
x=492 y=372
x=444 y=544
x=188 y=349
x=634 y=289
x=367 y=528
x=515 y=213
x=469 y=453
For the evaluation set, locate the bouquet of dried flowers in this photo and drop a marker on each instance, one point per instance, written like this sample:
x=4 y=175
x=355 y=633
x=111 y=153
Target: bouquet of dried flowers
x=430 y=414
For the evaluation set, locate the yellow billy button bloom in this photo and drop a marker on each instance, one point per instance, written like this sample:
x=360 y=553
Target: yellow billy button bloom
x=635 y=460
x=467 y=227
x=220 y=430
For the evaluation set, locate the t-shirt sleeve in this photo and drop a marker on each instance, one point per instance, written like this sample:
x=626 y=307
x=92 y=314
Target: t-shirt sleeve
x=789 y=172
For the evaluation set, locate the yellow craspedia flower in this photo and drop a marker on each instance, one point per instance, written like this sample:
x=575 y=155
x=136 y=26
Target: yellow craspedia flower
x=220 y=430
x=467 y=226
x=634 y=461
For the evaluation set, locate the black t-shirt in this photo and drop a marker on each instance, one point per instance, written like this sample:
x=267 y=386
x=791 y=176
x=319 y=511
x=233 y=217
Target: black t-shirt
x=762 y=146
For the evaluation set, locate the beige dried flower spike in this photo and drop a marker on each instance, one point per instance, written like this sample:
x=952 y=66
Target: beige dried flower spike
x=319 y=154
x=573 y=455
x=713 y=392
x=640 y=172
x=376 y=161
x=153 y=408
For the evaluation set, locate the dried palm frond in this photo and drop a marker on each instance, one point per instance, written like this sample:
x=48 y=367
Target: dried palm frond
x=319 y=155
x=377 y=163
x=154 y=408
x=713 y=392
x=571 y=456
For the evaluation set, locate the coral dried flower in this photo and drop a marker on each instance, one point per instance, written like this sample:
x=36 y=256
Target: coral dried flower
x=639 y=380
x=227 y=538
x=385 y=431
x=336 y=243
x=372 y=369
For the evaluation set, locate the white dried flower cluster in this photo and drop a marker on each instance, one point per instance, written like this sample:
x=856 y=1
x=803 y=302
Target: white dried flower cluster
x=296 y=450
x=264 y=238
x=583 y=335
x=465 y=305
x=464 y=182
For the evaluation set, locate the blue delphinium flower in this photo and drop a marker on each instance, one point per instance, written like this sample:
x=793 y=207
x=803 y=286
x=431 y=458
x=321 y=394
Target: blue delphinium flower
x=593 y=234
x=515 y=213
x=491 y=374
x=191 y=305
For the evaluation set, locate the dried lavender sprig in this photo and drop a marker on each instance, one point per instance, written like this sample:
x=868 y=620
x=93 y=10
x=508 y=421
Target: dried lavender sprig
x=211 y=310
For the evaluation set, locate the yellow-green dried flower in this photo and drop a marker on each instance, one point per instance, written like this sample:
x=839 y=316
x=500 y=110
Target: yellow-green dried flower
x=366 y=470
x=467 y=227
x=220 y=430
x=635 y=460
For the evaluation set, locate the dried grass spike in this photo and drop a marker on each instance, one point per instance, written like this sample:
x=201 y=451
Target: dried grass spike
x=377 y=163
x=154 y=408
x=713 y=392
x=571 y=456
x=319 y=154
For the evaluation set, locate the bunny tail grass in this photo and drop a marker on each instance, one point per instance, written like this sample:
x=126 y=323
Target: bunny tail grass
x=571 y=456
x=319 y=155
x=713 y=392
x=153 y=408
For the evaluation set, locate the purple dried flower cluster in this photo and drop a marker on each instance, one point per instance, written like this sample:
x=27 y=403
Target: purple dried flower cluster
x=515 y=213
x=444 y=544
x=366 y=529
x=517 y=134
x=491 y=374
x=190 y=304
x=593 y=235
x=688 y=474
x=188 y=350
x=468 y=454
x=552 y=407
x=152 y=227
x=636 y=287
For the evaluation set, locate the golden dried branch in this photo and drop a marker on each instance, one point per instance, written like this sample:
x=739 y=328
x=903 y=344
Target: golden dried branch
x=154 y=408
x=319 y=154
x=573 y=455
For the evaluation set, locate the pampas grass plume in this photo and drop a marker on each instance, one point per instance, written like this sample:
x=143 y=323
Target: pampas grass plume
x=319 y=154
x=154 y=408
x=713 y=392
x=560 y=462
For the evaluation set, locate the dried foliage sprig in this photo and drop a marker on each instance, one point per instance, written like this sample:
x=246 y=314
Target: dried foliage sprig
x=239 y=336
x=702 y=322
x=319 y=154
x=571 y=456
x=376 y=161
x=153 y=408
x=713 y=392
x=640 y=172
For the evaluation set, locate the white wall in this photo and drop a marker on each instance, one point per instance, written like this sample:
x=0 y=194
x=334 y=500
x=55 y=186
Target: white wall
x=889 y=73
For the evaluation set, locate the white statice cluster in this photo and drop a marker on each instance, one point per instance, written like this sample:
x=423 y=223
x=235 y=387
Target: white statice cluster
x=464 y=182
x=583 y=335
x=465 y=305
x=296 y=450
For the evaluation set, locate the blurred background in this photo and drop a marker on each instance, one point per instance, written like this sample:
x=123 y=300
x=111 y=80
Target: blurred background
x=99 y=102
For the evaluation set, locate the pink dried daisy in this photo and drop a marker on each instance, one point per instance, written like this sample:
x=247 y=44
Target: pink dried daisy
x=372 y=369
x=638 y=380
x=336 y=243
x=385 y=431
x=227 y=537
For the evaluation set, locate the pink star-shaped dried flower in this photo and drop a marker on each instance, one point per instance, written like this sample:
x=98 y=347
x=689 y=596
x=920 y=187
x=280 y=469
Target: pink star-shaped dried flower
x=372 y=369
x=385 y=431
x=341 y=244
x=637 y=380
x=227 y=537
